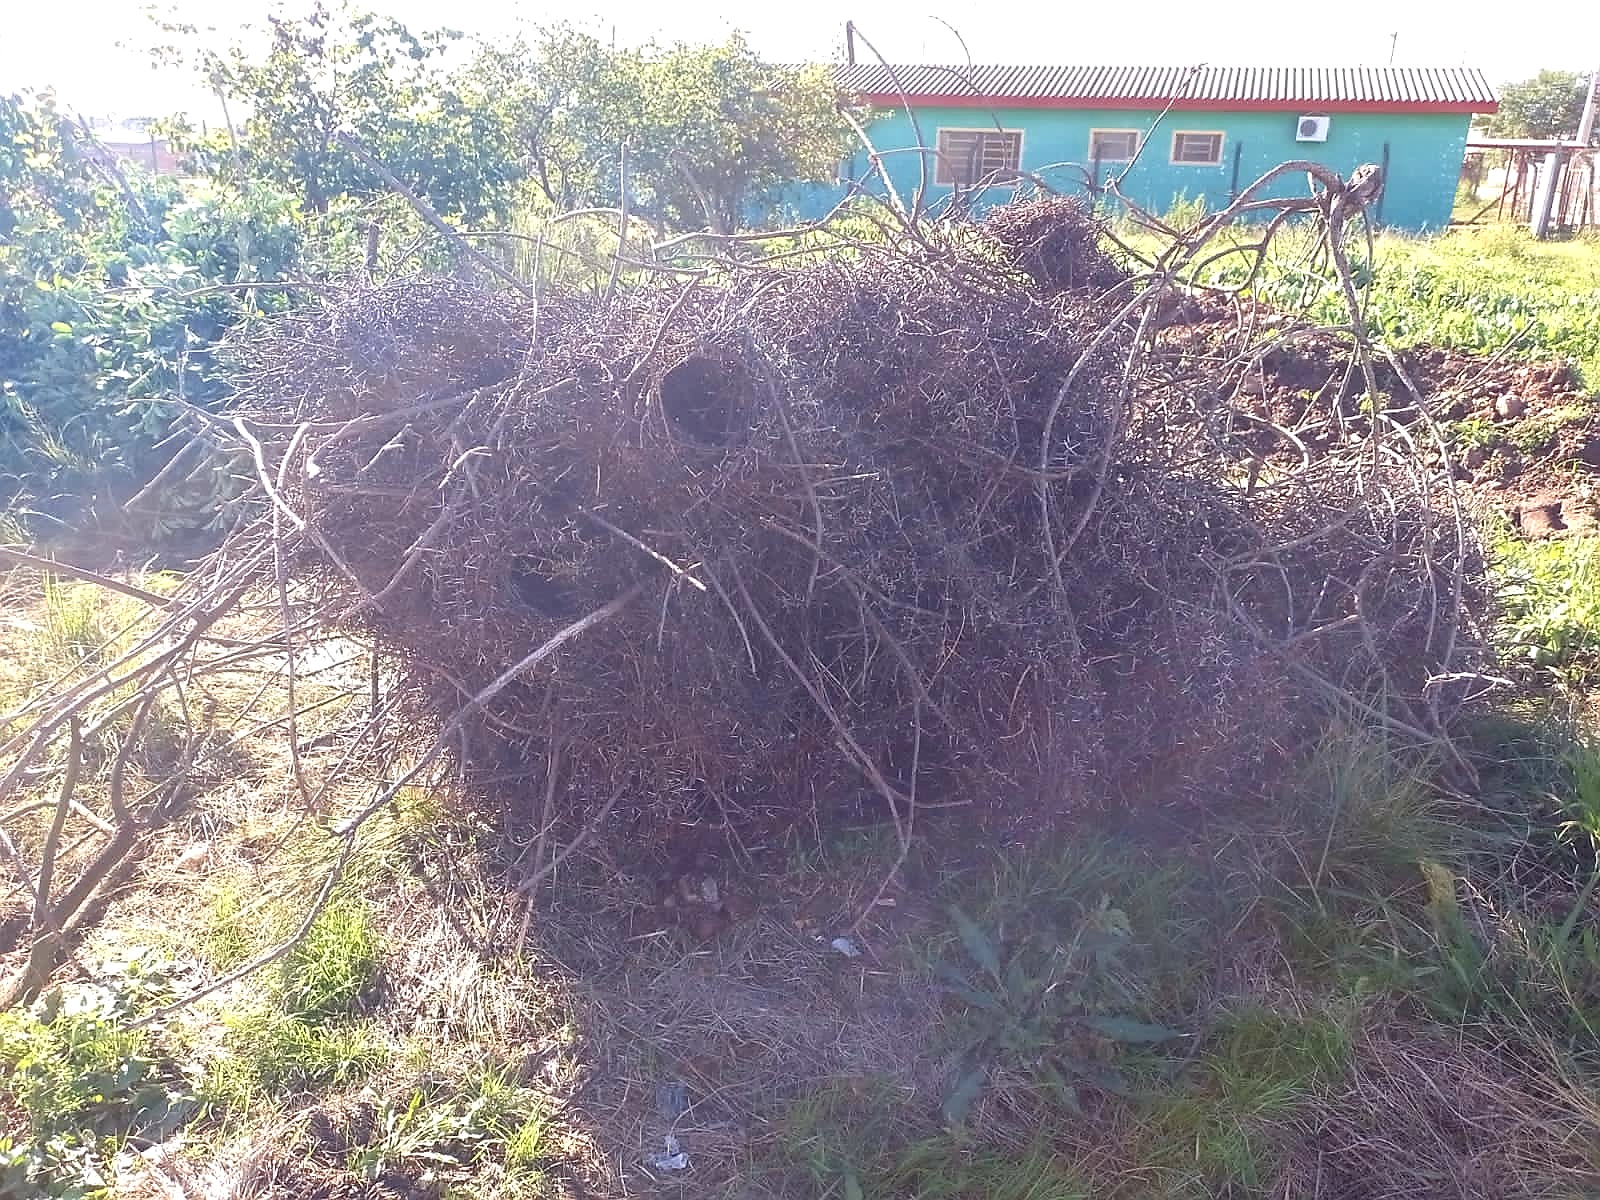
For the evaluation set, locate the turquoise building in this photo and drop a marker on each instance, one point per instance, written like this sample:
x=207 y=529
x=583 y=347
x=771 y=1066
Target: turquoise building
x=1167 y=134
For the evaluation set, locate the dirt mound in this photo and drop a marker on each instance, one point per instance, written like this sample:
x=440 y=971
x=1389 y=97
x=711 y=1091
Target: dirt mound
x=904 y=524
x=1524 y=436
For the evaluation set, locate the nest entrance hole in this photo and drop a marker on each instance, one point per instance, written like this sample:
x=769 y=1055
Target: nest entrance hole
x=534 y=586
x=706 y=400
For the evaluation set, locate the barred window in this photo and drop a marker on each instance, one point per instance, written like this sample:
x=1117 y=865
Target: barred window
x=970 y=156
x=1199 y=149
x=1113 y=145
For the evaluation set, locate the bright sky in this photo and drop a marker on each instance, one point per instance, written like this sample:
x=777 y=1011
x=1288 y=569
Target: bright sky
x=93 y=51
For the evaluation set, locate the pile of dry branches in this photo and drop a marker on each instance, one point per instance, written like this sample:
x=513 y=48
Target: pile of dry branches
x=960 y=513
x=943 y=518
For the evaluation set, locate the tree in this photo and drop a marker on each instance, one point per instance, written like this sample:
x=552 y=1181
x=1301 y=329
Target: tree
x=336 y=71
x=712 y=131
x=560 y=100
x=1547 y=106
x=721 y=130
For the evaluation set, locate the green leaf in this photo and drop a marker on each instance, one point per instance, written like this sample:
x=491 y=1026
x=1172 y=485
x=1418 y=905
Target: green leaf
x=965 y=1094
x=978 y=943
x=1063 y=1091
x=60 y=327
x=1018 y=986
x=1124 y=1029
x=852 y=1186
x=957 y=983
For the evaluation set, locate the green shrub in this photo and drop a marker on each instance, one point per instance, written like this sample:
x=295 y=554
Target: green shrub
x=85 y=1082
x=115 y=291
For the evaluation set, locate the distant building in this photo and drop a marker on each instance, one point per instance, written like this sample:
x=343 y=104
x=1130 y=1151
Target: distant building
x=133 y=139
x=1076 y=127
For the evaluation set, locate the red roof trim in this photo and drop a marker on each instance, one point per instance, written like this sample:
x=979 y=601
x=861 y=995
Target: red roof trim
x=1156 y=104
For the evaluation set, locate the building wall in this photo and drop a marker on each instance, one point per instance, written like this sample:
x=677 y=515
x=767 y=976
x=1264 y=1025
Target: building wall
x=154 y=155
x=1425 y=154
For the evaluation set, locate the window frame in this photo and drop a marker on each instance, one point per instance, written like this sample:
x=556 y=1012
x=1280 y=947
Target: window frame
x=943 y=177
x=1222 y=140
x=1138 y=145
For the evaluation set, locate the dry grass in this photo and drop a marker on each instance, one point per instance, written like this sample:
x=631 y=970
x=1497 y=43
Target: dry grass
x=1425 y=1114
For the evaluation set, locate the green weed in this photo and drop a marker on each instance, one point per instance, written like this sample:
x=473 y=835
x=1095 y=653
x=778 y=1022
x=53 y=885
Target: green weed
x=1053 y=886
x=224 y=938
x=840 y=1134
x=843 y=1140
x=1548 y=595
x=269 y=1053
x=1352 y=831
x=85 y=1081
x=939 y=1169
x=1056 y=957
x=77 y=620
x=1060 y=1004
x=1534 y=975
x=331 y=968
x=1580 y=800
x=488 y=1118
x=1212 y=1134
x=1479 y=290
x=1473 y=431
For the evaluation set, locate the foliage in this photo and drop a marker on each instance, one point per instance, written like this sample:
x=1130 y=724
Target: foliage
x=1478 y=290
x=267 y=1052
x=1549 y=105
x=85 y=1081
x=306 y=1031
x=1549 y=603
x=485 y=1117
x=838 y=1137
x=1056 y=1005
x=712 y=131
x=337 y=70
x=114 y=291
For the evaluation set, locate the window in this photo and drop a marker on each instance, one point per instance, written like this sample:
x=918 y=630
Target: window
x=1113 y=145
x=970 y=156
x=1199 y=149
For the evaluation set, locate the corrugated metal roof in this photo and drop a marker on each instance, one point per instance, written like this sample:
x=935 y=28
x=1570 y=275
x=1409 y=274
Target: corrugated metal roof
x=1291 y=87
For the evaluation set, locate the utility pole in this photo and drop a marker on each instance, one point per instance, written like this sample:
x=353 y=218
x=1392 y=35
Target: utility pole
x=1586 y=123
x=1555 y=163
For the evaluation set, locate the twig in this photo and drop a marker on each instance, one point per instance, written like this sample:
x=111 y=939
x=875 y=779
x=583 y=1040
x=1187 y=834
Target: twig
x=23 y=558
x=348 y=828
x=622 y=228
x=681 y=572
x=43 y=917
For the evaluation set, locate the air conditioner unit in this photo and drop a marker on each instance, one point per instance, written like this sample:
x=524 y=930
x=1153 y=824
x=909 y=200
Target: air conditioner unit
x=1312 y=129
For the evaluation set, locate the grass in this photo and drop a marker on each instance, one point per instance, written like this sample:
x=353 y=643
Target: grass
x=330 y=969
x=1549 y=602
x=1215 y=1130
